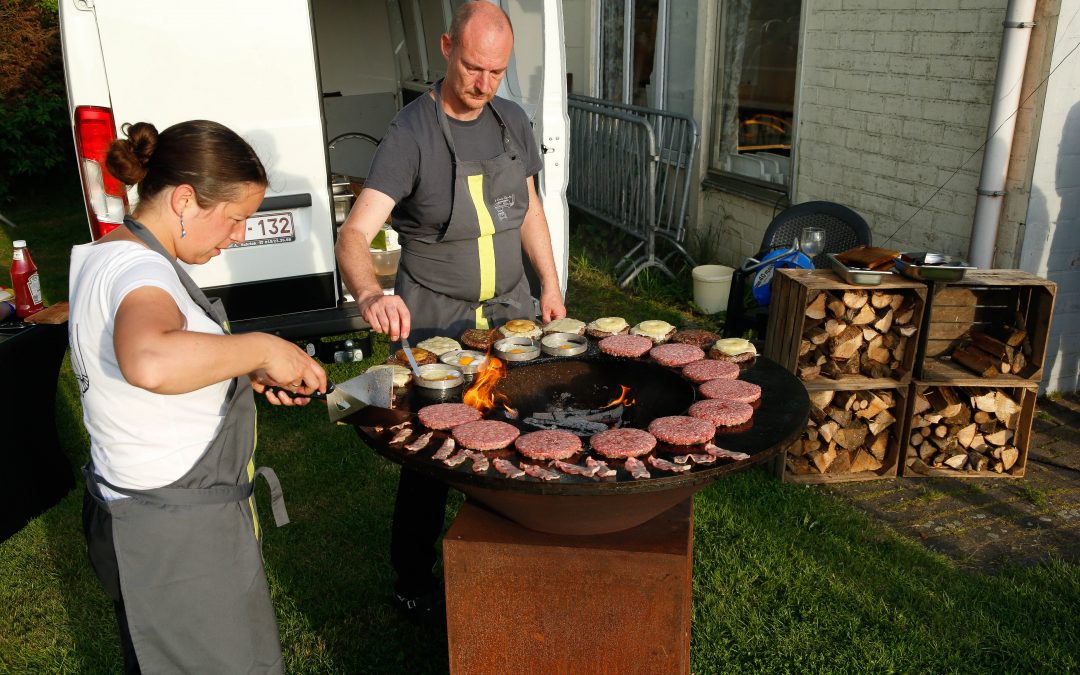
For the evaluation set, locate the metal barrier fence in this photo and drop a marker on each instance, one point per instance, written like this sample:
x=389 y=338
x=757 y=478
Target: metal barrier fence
x=630 y=166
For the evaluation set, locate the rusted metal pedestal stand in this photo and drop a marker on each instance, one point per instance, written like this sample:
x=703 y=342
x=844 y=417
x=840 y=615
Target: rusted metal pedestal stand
x=520 y=601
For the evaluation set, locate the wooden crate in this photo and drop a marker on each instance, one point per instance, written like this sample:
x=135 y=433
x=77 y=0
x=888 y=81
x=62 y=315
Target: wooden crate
x=982 y=300
x=953 y=439
x=890 y=462
x=789 y=326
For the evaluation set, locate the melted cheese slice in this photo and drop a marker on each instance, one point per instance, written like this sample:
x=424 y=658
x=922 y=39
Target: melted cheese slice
x=652 y=329
x=734 y=346
x=609 y=324
x=439 y=345
x=565 y=326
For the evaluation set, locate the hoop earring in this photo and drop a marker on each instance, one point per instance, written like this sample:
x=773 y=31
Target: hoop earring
x=183 y=232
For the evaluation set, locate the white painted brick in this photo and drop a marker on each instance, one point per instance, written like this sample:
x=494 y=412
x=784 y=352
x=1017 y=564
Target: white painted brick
x=918 y=173
x=816 y=95
x=852 y=81
x=980 y=45
x=816 y=114
x=885 y=124
x=904 y=106
x=908 y=65
x=973 y=92
x=938 y=43
x=923 y=131
x=952 y=223
x=957 y=21
x=982 y=4
x=822 y=39
x=857 y=41
x=913 y=21
x=967 y=137
x=926 y=87
x=990 y=21
x=818 y=77
x=896 y=5
x=836 y=59
x=873 y=203
x=860 y=180
x=889 y=84
x=850 y=119
x=860 y=4
x=876 y=164
x=863 y=141
x=895 y=190
x=935 y=4
x=865 y=20
x=945 y=111
x=964 y=182
x=893 y=42
x=952 y=66
x=826 y=6
x=867 y=102
x=985 y=70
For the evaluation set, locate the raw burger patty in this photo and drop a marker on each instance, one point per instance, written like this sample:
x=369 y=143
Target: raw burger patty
x=632 y=346
x=705 y=370
x=548 y=444
x=447 y=415
x=731 y=390
x=681 y=430
x=722 y=413
x=626 y=442
x=485 y=434
x=696 y=337
x=676 y=354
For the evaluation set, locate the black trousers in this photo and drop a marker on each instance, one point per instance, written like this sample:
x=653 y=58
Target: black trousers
x=97 y=528
x=419 y=512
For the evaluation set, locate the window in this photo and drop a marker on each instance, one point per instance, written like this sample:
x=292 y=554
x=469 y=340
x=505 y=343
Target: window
x=755 y=91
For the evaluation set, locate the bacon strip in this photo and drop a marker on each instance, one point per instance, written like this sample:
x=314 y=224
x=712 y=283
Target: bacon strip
x=420 y=443
x=539 y=472
x=507 y=468
x=721 y=453
x=457 y=458
x=445 y=450
x=602 y=469
x=399 y=425
x=696 y=459
x=637 y=468
x=665 y=465
x=479 y=462
x=401 y=436
x=575 y=469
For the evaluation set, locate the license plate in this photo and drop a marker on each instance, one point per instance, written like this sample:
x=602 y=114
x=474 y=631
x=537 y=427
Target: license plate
x=269 y=228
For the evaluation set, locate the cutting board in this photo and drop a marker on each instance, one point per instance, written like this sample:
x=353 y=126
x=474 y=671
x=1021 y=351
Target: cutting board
x=53 y=314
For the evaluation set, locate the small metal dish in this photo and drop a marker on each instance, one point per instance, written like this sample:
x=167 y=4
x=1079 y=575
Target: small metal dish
x=564 y=344
x=855 y=276
x=439 y=376
x=517 y=349
x=474 y=360
x=932 y=266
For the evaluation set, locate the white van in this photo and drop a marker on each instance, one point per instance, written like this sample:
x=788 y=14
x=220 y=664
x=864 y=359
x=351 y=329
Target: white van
x=295 y=78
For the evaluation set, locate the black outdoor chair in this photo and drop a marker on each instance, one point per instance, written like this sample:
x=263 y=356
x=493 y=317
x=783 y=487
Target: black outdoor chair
x=844 y=229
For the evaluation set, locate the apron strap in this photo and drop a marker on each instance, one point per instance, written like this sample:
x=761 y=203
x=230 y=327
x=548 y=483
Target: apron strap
x=217 y=494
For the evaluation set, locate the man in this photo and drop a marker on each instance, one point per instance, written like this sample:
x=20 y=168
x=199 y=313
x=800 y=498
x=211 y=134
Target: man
x=456 y=170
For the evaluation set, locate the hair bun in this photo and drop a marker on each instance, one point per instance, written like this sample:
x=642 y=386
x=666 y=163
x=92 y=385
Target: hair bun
x=129 y=158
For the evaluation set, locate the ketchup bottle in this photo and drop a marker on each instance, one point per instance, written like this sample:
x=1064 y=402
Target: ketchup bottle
x=25 y=281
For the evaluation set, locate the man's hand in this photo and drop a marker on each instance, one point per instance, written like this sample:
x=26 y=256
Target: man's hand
x=551 y=304
x=387 y=314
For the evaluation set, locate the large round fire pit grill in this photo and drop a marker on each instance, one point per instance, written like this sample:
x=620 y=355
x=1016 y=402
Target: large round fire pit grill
x=581 y=505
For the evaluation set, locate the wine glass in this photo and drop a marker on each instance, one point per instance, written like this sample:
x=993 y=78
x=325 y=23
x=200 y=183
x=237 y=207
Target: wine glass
x=812 y=241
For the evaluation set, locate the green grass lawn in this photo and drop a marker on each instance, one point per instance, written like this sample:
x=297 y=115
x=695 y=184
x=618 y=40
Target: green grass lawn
x=786 y=578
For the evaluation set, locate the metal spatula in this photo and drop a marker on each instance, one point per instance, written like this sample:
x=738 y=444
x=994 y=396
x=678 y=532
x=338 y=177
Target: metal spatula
x=345 y=398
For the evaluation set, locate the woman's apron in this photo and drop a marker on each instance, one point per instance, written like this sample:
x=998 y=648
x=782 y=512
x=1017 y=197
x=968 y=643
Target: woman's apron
x=470 y=275
x=185 y=559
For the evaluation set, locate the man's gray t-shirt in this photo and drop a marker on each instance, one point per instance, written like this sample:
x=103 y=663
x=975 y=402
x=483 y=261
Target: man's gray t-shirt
x=413 y=164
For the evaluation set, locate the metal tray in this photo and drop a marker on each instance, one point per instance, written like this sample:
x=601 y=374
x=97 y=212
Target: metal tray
x=564 y=344
x=517 y=349
x=856 y=276
x=932 y=266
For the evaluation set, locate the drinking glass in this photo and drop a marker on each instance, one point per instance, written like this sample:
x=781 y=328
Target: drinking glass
x=812 y=240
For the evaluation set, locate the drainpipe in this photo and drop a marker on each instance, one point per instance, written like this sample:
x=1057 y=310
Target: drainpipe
x=999 y=134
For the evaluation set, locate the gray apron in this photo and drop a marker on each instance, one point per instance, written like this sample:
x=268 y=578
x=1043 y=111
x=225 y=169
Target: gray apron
x=187 y=556
x=469 y=274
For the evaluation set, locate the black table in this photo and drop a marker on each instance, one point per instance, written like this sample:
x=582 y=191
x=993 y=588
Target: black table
x=38 y=473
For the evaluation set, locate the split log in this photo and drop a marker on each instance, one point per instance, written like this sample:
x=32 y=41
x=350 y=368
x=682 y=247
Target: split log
x=864 y=461
x=837 y=308
x=977 y=361
x=966 y=435
x=854 y=299
x=880 y=299
x=846 y=344
x=862 y=316
x=816 y=308
x=956 y=461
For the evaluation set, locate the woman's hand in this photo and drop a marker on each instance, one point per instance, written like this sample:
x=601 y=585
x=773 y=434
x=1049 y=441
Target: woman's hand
x=287 y=366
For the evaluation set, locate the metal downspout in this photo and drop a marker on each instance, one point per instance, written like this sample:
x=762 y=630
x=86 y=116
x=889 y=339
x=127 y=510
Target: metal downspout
x=999 y=133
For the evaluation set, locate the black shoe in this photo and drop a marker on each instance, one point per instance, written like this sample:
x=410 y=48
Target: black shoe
x=426 y=609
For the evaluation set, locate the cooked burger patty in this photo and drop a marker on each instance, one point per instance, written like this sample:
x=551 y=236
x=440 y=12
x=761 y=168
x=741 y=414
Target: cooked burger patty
x=423 y=357
x=553 y=444
x=631 y=346
x=696 y=337
x=731 y=390
x=447 y=415
x=485 y=434
x=721 y=412
x=625 y=442
x=736 y=358
x=704 y=370
x=478 y=338
x=676 y=355
x=682 y=430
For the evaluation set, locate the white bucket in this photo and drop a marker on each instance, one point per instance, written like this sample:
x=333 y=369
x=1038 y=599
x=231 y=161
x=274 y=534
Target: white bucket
x=712 y=283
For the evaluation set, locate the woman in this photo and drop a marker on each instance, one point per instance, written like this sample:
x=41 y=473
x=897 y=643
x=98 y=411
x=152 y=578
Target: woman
x=166 y=393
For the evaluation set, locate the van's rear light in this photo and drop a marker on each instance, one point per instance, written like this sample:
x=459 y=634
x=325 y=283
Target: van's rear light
x=106 y=197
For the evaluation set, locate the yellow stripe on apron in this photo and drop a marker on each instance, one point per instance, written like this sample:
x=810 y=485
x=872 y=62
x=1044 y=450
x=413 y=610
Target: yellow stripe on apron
x=485 y=247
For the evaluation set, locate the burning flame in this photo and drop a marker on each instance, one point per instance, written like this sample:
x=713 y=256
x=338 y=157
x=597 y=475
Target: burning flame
x=482 y=395
x=623 y=399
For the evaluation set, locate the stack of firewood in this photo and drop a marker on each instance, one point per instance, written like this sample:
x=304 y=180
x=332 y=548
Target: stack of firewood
x=994 y=351
x=971 y=429
x=848 y=432
x=854 y=331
